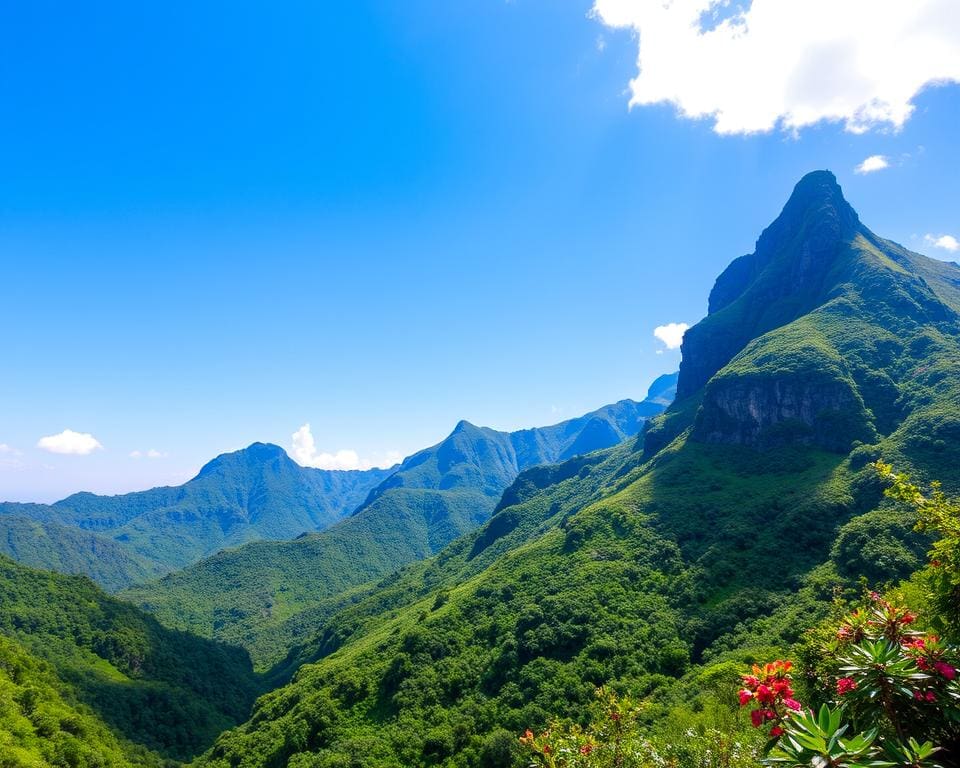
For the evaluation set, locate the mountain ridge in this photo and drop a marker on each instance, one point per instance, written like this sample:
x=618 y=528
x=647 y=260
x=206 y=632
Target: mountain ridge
x=257 y=492
x=276 y=589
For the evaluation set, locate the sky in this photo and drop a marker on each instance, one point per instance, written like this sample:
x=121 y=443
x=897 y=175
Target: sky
x=344 y=227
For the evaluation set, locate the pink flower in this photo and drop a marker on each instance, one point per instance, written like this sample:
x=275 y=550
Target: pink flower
x=745 y=697
x=945 y=669
x=792 y=704
x=845 y=685
x=918 y=696
x=931 y=696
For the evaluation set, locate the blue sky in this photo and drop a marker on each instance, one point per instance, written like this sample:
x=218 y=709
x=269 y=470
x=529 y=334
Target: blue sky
x=222 y=221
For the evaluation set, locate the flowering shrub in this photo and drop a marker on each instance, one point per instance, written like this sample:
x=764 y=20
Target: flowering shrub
x=935 y=514
x=892 y=690
x=768 y=689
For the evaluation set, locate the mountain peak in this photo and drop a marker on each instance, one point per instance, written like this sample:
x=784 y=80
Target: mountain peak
x=784 y=277
x=816 y=204
x=255 y=453
x=806 y=235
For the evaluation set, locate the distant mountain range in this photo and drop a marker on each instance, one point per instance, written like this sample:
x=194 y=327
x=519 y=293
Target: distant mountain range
x=256 y=493
x=268 y=595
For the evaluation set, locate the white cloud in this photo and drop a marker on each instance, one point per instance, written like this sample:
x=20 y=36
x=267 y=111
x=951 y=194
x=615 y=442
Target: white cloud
x=872 y=163
x=947 y=242
x=304 y=452
x=9 y=450
x=70 y=442
x=151 y=454
x=671 y=334
x=789 y=63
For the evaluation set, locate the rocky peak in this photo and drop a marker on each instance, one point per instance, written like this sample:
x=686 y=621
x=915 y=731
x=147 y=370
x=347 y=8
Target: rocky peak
x=784 y=278
x=811 y=226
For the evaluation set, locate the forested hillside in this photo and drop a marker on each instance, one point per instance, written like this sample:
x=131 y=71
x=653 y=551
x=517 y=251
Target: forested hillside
x=269 y=596
x=256 y=493
x=89 y=674
x=662 y=566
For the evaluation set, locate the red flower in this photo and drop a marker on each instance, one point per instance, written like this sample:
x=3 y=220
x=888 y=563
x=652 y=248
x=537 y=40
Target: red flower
x=908 y=618
x=782 y=688
x=745 y=697
x=918 y=696
x=751 y=682
x=586 y=749
x=756 y=717
x=845 y=685
x=765 y=695
x=930 y=696
x=792 y=704
x=945 y=669
x=776 y=732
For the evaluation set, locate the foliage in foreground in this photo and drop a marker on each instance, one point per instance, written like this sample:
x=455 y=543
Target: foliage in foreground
x=888 y=692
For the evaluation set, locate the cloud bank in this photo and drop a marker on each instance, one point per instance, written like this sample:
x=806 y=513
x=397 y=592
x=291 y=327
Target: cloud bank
x=946 y=242
x=69 y=442
x=304 y=452
x=755 y=67
x=671 y=334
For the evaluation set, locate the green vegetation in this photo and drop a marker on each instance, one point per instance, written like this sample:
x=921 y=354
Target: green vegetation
x=879 y=686
x=659 y=572
x=67 y=549
x=40 y=727
x=271 y=596
x=117 y=667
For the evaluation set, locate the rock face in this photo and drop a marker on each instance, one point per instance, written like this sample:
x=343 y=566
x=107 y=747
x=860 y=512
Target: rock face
x=764 y=413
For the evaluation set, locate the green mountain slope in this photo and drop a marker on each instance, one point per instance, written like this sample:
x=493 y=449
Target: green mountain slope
x=256 y=493
x=750 y=498
x=40 y=727
x=67 y=549
x=112 y=666
x=268 y=596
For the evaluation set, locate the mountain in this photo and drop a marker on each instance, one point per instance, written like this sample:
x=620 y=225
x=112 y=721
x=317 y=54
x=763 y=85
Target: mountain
x=89 y=664
x=67 y=549
x=663 y=565
x=268 y=596
x=251 y=494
